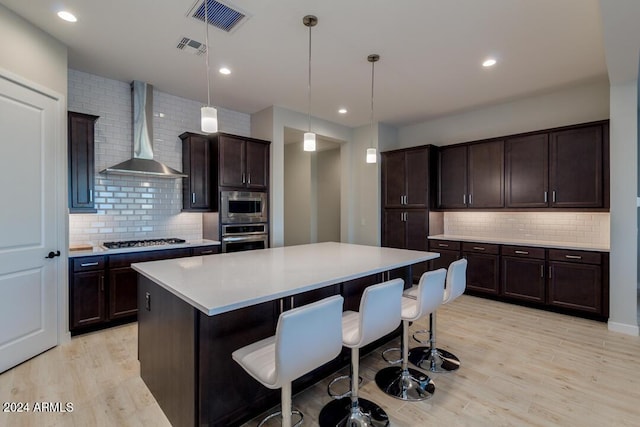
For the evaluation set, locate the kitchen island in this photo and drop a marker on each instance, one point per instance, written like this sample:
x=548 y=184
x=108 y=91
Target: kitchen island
x=194 y=312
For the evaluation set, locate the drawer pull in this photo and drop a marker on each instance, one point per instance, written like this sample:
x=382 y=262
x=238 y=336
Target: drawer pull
x=542 y=271
x=88 y=264
x=479 y=248
x=573 y=256
x=443 y=245
x=522 y=252
x=209 y=252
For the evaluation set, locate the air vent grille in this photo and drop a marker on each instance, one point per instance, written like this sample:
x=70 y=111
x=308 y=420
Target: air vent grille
x=220 y=15
x=192 y=46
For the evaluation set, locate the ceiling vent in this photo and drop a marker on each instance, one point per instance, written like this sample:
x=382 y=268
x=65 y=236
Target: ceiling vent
x=192 y=46
x=221 y=15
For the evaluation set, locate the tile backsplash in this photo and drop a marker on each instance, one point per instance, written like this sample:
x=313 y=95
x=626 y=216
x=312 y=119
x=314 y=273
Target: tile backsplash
x=135 y=207
x=569 y=227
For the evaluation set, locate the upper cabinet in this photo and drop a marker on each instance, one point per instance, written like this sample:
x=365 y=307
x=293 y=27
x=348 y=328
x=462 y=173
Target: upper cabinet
x=471 y=176
x=405 y=178
x=565 y=168
x=559 y=168
x=198 y=192
x=81 y=162
x=244 y=163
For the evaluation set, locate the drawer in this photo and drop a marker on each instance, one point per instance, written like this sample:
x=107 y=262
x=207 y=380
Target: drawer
x=449 y=245
x=523 y=252
x=88 y=263
x=485 y=248
x=125 y=260
x=205 y=250
x=585 y=257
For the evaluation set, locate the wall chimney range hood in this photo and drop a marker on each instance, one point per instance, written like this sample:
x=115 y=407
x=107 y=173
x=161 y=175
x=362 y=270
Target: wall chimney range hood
x=142 y=163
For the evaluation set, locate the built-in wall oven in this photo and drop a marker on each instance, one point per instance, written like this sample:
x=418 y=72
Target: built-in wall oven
x=243 y=207
x=244 y=237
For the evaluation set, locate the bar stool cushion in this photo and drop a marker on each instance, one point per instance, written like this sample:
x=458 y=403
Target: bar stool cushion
x=456 y=280
x=306 y=338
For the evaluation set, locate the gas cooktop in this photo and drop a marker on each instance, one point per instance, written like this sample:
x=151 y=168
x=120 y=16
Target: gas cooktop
x=142 y=243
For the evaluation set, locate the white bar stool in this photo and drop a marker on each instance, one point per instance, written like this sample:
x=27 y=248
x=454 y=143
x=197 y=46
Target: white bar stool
x=402 y=382
x=306 y=338
x=379 y=314
x=436 y=359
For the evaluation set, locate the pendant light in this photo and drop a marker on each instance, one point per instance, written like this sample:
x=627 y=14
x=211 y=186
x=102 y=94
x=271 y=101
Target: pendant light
x=208 y=114
x=309 y=137
x=372 y=156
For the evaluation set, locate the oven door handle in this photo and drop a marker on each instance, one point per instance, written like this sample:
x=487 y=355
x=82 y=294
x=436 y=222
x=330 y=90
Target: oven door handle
x=253 y=238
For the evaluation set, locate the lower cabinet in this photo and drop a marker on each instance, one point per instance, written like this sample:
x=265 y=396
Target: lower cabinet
x=482 y=267
x=523 y=273
x=103 y=290
x=449 y=251
x=575 y=280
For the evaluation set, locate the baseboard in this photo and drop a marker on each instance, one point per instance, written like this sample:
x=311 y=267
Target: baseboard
x=623 y=328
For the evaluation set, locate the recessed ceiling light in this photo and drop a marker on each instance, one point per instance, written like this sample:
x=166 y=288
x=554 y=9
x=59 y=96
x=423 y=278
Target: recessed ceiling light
x=224 y=70
x=67 y=16
x=342 y=111
x=489 y=62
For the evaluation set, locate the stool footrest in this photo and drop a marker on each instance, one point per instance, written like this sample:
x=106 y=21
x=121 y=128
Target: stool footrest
x=392 y=361
x=443 y=362
x=279 y=414
x=337 y=396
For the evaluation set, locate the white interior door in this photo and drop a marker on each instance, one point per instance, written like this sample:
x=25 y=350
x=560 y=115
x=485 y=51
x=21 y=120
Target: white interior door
x=29 y=128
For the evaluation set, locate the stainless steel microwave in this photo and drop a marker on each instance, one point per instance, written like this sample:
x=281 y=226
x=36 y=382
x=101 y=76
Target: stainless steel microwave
x=238 y=207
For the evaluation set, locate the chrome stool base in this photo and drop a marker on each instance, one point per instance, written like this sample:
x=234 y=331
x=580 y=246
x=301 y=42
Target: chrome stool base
x=278 y=415
x=408 y=385
x=338 y=413
x=444 y=361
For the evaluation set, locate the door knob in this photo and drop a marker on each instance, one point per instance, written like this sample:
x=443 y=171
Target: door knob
x=53 y=254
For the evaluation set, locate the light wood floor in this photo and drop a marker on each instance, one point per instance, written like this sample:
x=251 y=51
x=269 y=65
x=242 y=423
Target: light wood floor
x=520 y=367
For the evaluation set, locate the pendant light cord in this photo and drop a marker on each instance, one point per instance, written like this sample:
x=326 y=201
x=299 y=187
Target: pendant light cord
x=309 y=86
x=373 y=65
x=206 y=42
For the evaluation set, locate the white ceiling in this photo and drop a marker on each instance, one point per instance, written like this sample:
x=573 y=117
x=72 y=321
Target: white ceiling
x=431 y=51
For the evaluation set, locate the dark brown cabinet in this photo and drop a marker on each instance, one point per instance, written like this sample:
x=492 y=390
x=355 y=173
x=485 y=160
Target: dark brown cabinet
x=523 y=273
x=472 y=176
x=103 y=290
x=482 y=267
x=243 y=162
x=406 y=178
x=576 y=167
x=81 y=162
x=575 y=280
x=527 y=171
x=198 y=194
x=87 y=291
x=449 y=252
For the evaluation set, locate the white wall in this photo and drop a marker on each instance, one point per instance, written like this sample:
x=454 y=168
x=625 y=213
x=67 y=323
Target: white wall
x=365 y=181
x=576 y=104
x=624 y=232
x=297 y=195
x=328 y=195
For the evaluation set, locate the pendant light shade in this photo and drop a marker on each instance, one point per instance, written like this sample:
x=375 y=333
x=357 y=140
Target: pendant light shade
x=209 y=119
x=208 y=114
x=372 y=155
x=309 y=141
x=309 y=137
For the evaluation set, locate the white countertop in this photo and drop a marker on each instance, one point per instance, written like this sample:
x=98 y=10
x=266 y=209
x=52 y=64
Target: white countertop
x=99 y=250
x=226 y=282
x=523 y=242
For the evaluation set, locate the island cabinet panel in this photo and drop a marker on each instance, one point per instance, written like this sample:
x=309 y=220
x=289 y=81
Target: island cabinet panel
x=482 y=267
x=527 y=171
x=486 y=175
x=576 y=167
x=523 y=273
x=167 y=352
x=452 y=177
x=575 y=280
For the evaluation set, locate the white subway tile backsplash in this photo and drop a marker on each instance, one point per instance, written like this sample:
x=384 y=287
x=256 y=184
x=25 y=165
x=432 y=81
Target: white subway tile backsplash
x=128 y=207
x=551 y=226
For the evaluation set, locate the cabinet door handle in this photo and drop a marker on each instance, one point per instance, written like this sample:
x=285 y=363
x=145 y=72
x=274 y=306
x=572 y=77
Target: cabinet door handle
x=402 y=200
x=553 y=196
x=193 y=198
x=470 y=199
x=281 y=305
x=550 y=272
x=443 y=245
x=464 y=199
x=522 y=252
x=249 y=179
x=292 y=302
x=147 y=301
x=89 y=264
x=244 y=181
x=479 y=248
x=542 y=271
x=545 y=196
x=102 y=282
x=573 y=256
x=91 y=196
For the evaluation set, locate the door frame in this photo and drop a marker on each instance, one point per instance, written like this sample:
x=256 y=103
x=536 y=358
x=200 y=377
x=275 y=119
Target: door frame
x=61 y=210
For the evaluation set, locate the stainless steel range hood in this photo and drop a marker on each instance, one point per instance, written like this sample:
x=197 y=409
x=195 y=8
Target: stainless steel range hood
x=142 y=162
